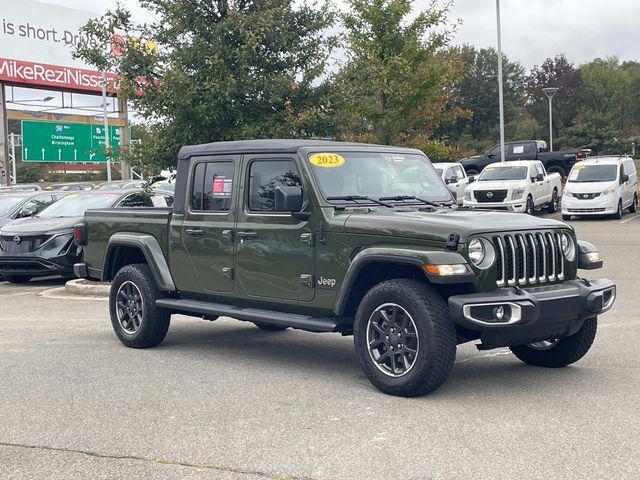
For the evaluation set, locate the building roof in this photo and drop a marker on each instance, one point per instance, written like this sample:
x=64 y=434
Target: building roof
x=272 y=146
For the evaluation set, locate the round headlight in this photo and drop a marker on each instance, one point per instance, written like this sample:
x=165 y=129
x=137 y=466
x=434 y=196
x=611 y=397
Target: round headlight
x=476 y=251
x=568 y=247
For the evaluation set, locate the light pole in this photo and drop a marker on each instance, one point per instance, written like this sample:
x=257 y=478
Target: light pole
x=500 y=86
x=550 y=92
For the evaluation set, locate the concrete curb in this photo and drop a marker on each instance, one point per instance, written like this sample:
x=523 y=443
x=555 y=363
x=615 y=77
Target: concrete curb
x=80 y=287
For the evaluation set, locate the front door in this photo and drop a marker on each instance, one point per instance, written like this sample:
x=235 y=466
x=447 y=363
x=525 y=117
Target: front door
x=274 y=251
x=207 y=228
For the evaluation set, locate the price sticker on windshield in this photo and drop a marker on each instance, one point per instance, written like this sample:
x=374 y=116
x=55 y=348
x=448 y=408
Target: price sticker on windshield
x=327 y=160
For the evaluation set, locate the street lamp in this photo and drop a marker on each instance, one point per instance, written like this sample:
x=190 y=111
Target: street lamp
x=45 y=99
x=550 y=92
x=500 y=86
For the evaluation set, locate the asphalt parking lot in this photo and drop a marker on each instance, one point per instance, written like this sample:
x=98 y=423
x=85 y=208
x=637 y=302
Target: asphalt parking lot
x=225 y=400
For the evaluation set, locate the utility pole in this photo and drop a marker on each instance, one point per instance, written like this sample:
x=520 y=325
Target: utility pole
x=4 y=135
x=107 y=142
x=550 y=92
x=123 y=113
x=500 y=85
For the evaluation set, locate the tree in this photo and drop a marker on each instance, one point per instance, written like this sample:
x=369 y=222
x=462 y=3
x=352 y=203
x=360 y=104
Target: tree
x=477 y=92
x=554 y=72
x=212 y=70
x=395 y=86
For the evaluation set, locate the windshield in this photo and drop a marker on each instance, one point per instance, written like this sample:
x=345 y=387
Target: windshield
x=378 y=175
x=75 y=205
x=7 y=203
x=593 y=173
x=503 y=173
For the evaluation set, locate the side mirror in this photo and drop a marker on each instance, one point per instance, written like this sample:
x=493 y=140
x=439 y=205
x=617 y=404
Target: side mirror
x=533 y=179
x=472 y=178
x=540 y=177
x=289 y=199
x=625 y=178
x=491 y=155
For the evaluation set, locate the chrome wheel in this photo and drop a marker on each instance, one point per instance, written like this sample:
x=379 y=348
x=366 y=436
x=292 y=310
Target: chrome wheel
x=544 y=345
x=393 y=340
x=129 y=307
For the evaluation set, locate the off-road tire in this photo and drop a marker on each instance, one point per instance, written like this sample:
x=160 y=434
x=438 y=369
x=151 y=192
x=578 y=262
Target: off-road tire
x=436 y=337
x=620 y=212
x=633 y=208
x=568 y=350
x=566 y=217
x=16 y=278
x=155 y=321
x=269 y=327
x=530 y=209
x=553 y=205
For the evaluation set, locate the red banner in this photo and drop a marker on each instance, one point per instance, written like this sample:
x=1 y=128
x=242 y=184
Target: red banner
x=62 y=78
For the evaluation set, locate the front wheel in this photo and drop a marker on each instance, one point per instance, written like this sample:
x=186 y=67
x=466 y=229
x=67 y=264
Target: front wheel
x=553 y=205
x=620 y=212
x=562 y=352
x=135 y=318
x=404 y=338
x=530 y=208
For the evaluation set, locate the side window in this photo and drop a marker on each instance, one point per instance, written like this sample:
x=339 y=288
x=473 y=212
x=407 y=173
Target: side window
x=139 y=199
x=539 y=169
x=629 y=167
x=521 y=149
x=34 y=206
x=161 y=200
x=212 y=186
x=458 y=172
x=495 y=151
x=264 y=177
x=450 y=173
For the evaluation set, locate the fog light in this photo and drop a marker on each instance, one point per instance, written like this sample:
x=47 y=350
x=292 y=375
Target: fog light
x=498 y=312
x=593 y=256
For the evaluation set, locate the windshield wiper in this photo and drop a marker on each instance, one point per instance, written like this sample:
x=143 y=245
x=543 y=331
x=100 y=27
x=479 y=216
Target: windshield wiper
x=353 y=198
x=413 y=197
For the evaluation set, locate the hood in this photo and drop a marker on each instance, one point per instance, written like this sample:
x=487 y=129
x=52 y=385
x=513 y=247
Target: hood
x=36 y=226
x=498 y=184
x=589 y=187
x=4 y=221
x=438 y=225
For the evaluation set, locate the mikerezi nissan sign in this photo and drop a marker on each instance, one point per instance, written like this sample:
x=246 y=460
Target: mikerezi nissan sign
x=36 y=47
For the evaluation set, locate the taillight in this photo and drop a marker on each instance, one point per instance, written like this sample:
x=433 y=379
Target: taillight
x=80 y=232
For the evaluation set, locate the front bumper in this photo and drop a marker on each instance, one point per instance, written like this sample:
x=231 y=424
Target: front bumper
x=607 y=205
x=532 y=314
x=518 y=206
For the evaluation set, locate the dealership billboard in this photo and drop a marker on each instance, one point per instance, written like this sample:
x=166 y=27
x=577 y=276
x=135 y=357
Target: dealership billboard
x=37 y=40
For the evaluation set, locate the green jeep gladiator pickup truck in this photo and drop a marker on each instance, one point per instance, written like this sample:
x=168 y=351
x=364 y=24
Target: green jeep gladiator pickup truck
x=350 y=238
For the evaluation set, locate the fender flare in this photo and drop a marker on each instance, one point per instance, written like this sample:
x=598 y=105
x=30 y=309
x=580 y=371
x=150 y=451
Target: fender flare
x=152 y=252
x=417 y=258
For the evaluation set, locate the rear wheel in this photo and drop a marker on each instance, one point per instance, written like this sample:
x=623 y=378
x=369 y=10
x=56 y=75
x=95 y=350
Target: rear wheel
x=16 y=278
x=404 y=338
x=135 y=318
x=562 y=352
x=553 y=205
x=269 y=327
x=634 y=205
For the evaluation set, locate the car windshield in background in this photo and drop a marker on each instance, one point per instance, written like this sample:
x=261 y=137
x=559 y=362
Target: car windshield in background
x=593 y=173
x=7 y=203
x=439 y=171
x=75 y=205
x=375 y=175
x=503 y=173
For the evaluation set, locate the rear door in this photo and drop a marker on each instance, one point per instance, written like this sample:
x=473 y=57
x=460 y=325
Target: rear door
x=631 y=186
x=275 y=252
x=206 y=232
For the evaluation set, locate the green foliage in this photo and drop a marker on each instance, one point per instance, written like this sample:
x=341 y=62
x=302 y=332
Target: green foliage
x=394 y=87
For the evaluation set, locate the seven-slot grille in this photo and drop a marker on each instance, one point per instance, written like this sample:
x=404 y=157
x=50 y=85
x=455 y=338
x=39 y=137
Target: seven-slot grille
x=488 y=196
x=528 y=258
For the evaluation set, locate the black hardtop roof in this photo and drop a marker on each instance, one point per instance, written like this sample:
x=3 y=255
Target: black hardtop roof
x=272 y=146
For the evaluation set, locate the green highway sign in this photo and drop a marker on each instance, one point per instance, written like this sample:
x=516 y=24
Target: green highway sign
x=66 y=142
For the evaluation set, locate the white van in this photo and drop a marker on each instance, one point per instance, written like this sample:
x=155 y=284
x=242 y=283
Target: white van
x=454 y=177
x=601 y=186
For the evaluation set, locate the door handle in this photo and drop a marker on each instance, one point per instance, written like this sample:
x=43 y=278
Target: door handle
x=196 y=232
x=246 y=235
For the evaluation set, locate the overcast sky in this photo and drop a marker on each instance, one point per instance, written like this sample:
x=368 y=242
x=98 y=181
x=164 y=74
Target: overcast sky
x=532 y=30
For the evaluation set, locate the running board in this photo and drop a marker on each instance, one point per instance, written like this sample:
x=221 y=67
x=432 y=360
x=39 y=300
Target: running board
x=302 y=322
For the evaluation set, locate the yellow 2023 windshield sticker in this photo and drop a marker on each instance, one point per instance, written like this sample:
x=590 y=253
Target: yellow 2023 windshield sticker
x=327 y=160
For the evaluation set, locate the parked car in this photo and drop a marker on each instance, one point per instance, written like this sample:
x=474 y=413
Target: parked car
x=71 y=187
x=25 y=204
x=21 y=187
x=164 y=186
x=336 y=237
x=554 y=162
x=519 y=186
x=454 y=177
x=43 y=244
x=121 y=185
x=601 y=186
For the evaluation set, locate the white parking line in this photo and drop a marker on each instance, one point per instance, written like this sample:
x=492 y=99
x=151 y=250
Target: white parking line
x=629 y=219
